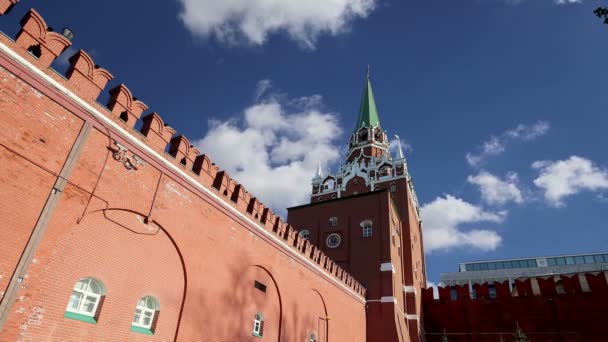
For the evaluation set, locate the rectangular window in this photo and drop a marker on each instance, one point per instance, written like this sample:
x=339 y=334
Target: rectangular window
x=589 y=259
x=484 y=267
x=561 y=261
x=259 y=286
x=570 y=261
x=492 y=266
x=551 y=262
x=532 y=263
x=579 y=260
x=598 y=258
x=492 y=291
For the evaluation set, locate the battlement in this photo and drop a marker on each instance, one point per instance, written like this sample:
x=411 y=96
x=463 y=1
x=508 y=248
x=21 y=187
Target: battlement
x=40 y=47
x=545 y=308
x=550 y=286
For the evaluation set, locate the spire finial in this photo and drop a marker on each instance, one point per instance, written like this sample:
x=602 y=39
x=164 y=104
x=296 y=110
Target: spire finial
x=319 y=173
x=368 y=71
x=399 y=149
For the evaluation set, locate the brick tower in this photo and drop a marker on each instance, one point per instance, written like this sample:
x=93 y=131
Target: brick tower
x=365 y=217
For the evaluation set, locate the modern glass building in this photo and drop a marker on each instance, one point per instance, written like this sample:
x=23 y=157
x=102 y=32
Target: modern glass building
x=510 y=269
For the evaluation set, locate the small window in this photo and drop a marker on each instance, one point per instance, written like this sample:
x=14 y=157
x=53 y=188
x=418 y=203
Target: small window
x=333 y=240
x=579 y=260
x=145 y=314
x=393 y=187
x=492 y=290
x=304 y=234
x=367 y=228
x=589 y=259
x=312 y=338
x=453 y=293
x=561 y=261
x=258 y=325
x=559 y=288
x=84 y=301
x=570 y=261
x=35 y=50
x=259 y=286
x=124 y=116
x=333 y=221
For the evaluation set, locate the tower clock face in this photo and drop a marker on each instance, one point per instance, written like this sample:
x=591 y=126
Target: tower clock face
x=333 y=240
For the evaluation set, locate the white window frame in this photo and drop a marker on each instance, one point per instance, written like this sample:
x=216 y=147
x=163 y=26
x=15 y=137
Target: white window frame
x=367 y=227
x=333 y=221
x=330 y=236
x=258 y=324
x=143 y=309
x=393 y=187
x=305 y=234
x=85 y=294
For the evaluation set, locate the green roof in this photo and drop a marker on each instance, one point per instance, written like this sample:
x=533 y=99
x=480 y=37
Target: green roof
x=368 y=114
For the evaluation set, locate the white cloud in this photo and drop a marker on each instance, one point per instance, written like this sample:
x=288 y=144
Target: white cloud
x=562 y=178
x=443 y=219
x=498 y=144
x=496 y=191
x=565 y=2
x=251 y=21
x=275 y=147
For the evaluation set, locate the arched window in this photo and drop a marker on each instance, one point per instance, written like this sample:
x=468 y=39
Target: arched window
x=559 y=288
x=367 y=228
x=258 y=325
x=304 y=234
x=333 y=221
x=84 y=301
x=393 y=187
x=145 y=314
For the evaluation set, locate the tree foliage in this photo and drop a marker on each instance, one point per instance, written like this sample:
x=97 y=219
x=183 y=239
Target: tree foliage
x=602 y=12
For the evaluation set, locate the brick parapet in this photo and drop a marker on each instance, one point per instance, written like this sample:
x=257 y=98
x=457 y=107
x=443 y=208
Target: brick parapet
x=85 y=80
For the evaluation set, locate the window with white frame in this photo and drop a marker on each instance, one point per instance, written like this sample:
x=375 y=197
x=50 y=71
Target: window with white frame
x=258 y=325
x=333 y=221
x=304 y=234
x=393 y=187
x=367 y=228
x=145 y=311
x=85 y=297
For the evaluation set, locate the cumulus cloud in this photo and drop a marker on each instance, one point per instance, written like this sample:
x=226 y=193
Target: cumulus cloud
x=251 y=21
x=274 y=147
x=496 y=191
x=565 y=2
x=496 y=145
x=445 y=217
x=562 y=178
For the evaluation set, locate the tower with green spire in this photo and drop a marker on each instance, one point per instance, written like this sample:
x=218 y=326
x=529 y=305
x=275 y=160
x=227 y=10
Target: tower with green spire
x=365 y=216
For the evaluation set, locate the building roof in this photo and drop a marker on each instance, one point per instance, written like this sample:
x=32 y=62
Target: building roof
x=368 y=113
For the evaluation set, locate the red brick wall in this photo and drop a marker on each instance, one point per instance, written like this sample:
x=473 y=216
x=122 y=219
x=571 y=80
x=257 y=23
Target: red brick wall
x=180 y=236
x=573 y=317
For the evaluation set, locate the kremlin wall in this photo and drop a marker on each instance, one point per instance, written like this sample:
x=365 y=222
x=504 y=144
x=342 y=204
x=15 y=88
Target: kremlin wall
x=112 y=233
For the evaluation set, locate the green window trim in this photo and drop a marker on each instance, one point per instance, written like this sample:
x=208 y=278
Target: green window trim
x=256 y=335
x=80 y=317
x=141 y=330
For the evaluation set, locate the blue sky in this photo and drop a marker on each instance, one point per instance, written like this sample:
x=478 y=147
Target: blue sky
x=270 y=88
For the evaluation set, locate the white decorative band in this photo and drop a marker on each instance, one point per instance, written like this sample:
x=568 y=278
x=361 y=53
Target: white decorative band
x=388 y=299
x=409 y=289
x=408 y=316
x=387 y=266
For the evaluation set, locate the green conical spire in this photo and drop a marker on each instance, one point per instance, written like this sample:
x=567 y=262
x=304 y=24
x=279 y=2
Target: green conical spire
x=368 y=114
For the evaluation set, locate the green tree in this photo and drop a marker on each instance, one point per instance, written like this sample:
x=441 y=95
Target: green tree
x=602 y=12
